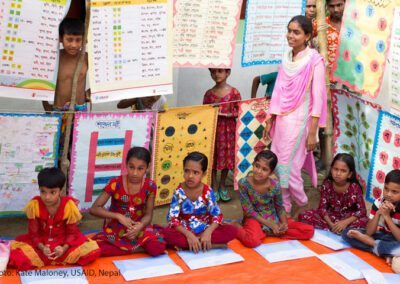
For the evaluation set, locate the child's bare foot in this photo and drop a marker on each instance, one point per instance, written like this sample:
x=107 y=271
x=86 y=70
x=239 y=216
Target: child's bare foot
x=219 y=246
x=389 y=260
x=361 y=237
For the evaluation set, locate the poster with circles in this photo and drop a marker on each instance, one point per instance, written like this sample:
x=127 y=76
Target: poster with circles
x=386 y=152
x=180 y=131
x=363 y=45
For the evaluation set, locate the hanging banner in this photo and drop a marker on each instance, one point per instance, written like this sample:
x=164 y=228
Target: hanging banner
x=385 y=155
x=205 y=32
x=29 y=47
x=363 y=45
x=394 y=72
x=130 y=49
x=28 y=143
x=100 y=145
x=179 y=132
x=249 y=135
x=354 y=129
x=265 y=30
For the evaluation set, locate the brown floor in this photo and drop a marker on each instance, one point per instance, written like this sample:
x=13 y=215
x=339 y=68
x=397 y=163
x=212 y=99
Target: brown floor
x=11 y=227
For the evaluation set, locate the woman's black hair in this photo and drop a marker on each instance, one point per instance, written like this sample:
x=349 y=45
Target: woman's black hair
x=51 y=178
x=393 y=176
x=269 y=156
x=304 y=23
x=139 y=153
x=197 y=157
x=349 y=161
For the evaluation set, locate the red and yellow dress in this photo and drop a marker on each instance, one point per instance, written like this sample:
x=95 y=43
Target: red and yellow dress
x=53 y=231
x=111 y=240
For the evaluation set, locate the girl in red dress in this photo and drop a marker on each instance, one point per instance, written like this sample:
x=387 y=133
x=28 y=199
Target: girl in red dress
x=224 y=153
x=127 y=224
x=54 y=237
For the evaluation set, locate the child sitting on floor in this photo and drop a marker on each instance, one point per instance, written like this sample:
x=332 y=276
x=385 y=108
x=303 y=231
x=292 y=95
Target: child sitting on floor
x=53 y=235
x=341 y=203
x=127 y=224
x=194 y=216
x=384 y=241
x=261 y=199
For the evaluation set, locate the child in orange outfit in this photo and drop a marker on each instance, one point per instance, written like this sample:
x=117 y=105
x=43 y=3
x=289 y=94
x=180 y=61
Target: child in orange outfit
x=53 y=235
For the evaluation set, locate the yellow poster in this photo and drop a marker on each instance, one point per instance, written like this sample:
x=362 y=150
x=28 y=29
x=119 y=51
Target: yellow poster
x=180 y=131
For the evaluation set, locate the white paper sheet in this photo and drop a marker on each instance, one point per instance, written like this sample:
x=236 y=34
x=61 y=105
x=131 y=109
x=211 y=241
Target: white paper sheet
x=282 y=251
x=374 y=276
x=347 y=264
x=69 y=275
x=141 y=268
x=210 y=258
x=391 y=278
x=329 y=239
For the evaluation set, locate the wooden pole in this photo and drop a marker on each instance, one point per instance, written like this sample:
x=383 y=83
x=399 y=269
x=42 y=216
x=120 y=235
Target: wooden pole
x=323 y=50
x=65 y=163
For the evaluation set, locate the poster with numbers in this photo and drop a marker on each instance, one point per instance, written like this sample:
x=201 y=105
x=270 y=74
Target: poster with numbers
x=265 y=30
x=29 y=47
x=130 y=49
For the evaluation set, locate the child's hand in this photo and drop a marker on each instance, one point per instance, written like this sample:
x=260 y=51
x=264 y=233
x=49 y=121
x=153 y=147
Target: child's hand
x=194 y=243
x=205 y=240
x=47 y=251
x=283 y=227
x=339 y=226
x=133 y=232
x=59 y=251
x=275 y=229
x=386 y=208
x=127 y=222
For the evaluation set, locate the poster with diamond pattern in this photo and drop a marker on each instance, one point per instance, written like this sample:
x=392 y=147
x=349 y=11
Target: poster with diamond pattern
x=249 y=132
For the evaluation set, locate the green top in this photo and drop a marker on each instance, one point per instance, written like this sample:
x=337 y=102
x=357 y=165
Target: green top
x=269 y=79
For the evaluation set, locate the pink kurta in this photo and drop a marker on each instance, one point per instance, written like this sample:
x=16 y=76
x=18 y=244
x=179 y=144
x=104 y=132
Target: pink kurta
x=299 y=95
x=224 y=153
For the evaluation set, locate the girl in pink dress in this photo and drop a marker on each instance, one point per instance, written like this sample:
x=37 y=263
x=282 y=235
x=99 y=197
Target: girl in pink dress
x=297 y=109
x=224 y=153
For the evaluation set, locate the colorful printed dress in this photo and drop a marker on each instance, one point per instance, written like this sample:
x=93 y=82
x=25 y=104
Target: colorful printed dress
x=194 y=216
x=337 y=206
x=224 y=154
x=53 y=231
x=131 y=206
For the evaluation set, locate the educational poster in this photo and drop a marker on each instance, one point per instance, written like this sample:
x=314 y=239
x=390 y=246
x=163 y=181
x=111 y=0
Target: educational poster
x=363 y=45
x=29 y=47
x=100 y=144
x=130 y=49
x=386 y=153
x=354 y=129
x=205 y=32
x=265 y=30
x=249 y=135
x=28 y=143
x=394 y=72
x=181 y=131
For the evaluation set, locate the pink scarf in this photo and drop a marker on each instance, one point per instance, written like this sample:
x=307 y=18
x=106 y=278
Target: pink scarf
x=294 y=78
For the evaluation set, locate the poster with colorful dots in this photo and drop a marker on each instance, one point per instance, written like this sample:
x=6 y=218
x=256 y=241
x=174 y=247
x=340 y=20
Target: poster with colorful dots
x=130 y=49
x=100 y=144
x=363 y=45
x=394 y=71
x=386 y=153
x=29 y=47
x=354 y=128
x=249 y=135
x=28 y=143
x=180 y=131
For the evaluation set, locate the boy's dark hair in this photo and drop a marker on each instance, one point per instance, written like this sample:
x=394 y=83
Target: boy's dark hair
x=139 y=153
x=197 y=157
x=51 y=178
x=304 y=23
x=226 y=69
x=269 y=156
x=393 y=176
x=71 y=26
x=349 y=161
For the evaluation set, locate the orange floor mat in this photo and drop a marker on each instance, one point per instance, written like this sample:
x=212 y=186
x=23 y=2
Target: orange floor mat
x=254 y=269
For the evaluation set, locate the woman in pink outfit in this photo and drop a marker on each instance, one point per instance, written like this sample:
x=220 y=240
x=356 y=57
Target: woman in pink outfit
x=297 y=109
